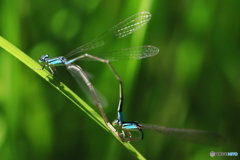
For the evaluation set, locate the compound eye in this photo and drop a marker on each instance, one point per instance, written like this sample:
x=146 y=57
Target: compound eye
x=44 y=57
x=115 y=123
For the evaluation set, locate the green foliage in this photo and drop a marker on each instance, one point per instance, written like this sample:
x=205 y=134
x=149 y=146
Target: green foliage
x=192 y=83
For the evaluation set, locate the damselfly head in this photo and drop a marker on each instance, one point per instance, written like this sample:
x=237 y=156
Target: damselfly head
x=116 y=123
x=43 y=58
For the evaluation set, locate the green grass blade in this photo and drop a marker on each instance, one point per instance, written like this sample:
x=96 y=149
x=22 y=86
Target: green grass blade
x=63 y=89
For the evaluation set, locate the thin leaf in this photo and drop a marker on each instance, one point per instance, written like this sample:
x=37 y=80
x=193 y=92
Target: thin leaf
x=63 y=89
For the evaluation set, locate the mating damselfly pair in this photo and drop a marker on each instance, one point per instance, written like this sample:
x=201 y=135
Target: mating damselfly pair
x=124 y=28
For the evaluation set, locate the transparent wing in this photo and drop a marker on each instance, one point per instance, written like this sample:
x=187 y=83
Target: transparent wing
x=81 y=77
x=194 y=136
x=133 y=53
x=122 y=29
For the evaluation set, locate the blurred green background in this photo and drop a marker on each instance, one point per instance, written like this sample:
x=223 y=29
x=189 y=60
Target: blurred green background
x=194 y=82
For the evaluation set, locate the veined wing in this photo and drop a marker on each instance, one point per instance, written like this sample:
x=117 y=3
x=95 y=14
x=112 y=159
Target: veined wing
x=133 y=53
x=194 y=136
x=122 y=29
